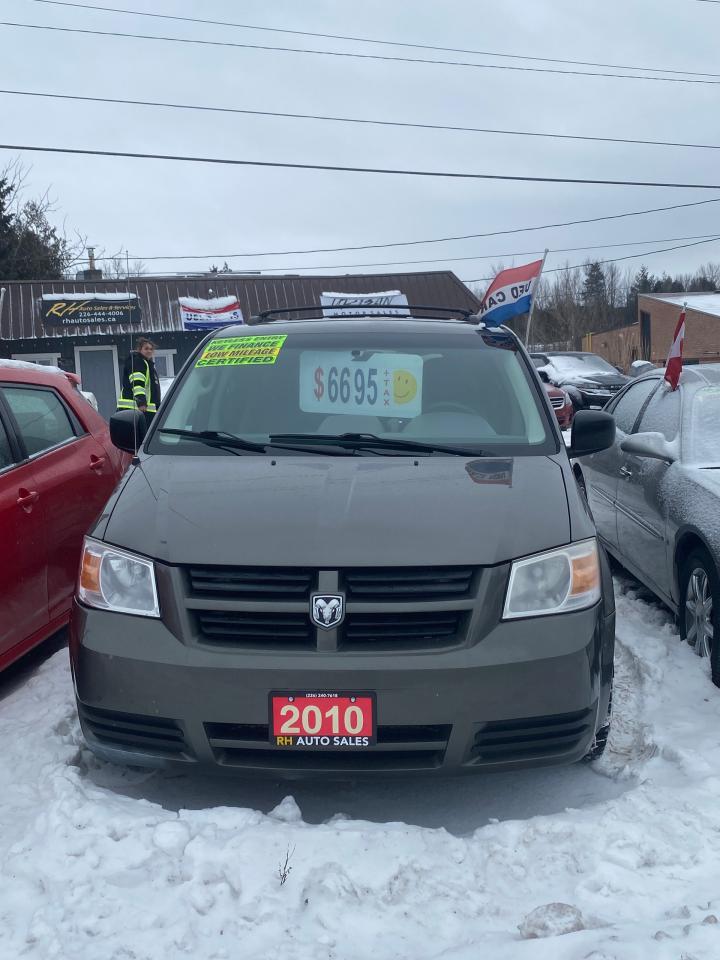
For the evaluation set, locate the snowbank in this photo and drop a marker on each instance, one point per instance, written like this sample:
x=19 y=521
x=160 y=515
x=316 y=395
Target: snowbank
x=102 y=862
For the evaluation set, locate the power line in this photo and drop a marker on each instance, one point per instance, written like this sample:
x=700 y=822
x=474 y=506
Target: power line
x=414 y=243
x=630 y=256
x=400 y=263
x=358 y=120
x=336 y=168
x=371 y=40
x=354 y=56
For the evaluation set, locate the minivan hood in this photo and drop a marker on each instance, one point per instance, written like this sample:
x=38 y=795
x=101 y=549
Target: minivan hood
x=337 y=512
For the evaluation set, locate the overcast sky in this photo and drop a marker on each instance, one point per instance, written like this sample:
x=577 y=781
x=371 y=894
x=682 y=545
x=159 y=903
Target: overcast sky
x=155 y=208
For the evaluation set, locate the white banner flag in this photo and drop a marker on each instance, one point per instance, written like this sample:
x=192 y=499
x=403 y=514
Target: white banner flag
x=364 y=304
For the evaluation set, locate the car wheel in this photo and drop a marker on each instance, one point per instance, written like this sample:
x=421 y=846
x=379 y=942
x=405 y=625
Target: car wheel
x=700 y=608
x=597 y=747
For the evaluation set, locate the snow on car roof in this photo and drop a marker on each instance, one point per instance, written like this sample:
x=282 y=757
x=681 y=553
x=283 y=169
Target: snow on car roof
x=28 y=365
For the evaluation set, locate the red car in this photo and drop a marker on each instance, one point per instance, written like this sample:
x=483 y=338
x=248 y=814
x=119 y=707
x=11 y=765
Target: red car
x=57 y=470
x=561 y=404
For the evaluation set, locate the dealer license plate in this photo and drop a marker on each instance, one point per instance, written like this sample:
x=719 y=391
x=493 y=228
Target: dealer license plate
x=322 y=720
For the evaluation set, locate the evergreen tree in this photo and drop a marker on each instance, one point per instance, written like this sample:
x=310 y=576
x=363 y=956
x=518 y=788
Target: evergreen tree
x=594 y=297
x=30 y=246
x=643 y=282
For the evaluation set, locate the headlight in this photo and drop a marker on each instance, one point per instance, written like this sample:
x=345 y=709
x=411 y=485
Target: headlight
x=112 y=579
x=554 y=582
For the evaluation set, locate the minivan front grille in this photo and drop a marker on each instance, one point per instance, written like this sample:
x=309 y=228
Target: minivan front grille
x=530 y=737
x=397 y=631
x=557 y=402
x=251 y=583
x=133 y=731
x=407 y=583
x=387 y=609
x=242 y=628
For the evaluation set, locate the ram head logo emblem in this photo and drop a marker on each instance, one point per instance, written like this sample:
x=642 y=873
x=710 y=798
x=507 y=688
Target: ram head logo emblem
x=328 y=610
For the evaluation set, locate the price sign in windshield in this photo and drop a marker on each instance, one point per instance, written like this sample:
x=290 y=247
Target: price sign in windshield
x=381 y=384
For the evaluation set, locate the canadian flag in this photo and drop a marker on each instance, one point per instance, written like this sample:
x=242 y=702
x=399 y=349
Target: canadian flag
x=673 y=367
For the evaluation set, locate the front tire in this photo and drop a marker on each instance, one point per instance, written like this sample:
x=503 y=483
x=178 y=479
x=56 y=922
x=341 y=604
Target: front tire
x=597 y=747
x=700 y=608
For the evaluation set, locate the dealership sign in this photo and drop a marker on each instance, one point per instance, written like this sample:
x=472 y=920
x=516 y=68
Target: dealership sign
x=199 y=314
x=95 y=309
x=364 y=304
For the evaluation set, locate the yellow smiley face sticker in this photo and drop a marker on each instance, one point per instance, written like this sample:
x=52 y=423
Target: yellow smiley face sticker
x=404 y=386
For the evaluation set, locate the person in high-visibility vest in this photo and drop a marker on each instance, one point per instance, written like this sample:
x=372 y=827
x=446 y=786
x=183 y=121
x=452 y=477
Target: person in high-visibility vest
x=140 y=382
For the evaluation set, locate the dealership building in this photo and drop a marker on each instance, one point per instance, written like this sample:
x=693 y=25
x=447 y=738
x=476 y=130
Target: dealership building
x=649 y=338
x=90 y=326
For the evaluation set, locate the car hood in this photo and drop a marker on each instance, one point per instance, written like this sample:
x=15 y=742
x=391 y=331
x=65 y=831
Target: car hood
x=345 y=511
x=596 y=380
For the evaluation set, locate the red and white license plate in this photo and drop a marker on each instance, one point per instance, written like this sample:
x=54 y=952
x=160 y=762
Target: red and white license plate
x=322 y=720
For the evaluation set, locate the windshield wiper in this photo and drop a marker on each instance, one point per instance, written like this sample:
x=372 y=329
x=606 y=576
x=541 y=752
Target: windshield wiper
x=370 y=441
x=216 y=438
x=230 y=441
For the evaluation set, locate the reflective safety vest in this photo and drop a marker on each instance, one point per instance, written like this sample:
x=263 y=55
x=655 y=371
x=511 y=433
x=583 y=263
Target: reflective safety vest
x=139 y=386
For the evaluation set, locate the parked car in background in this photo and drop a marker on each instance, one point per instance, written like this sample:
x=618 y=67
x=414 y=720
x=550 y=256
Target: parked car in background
x=638 y=368
x=655 y=495
x=590 y=381
x=559 y=400
x=57 y=470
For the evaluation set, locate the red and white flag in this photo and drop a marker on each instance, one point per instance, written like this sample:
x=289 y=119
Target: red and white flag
x=673 y=368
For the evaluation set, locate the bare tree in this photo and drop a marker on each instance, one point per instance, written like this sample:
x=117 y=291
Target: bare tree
x=564 y=307
x=116 y=267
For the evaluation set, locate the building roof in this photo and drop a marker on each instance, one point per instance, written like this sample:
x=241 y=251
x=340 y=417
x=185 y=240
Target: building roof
x=702 y=302
x=158 y=296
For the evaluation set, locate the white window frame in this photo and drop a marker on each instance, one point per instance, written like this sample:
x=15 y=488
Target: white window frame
x=104 y=346
x=170 y=354
x=35 y=357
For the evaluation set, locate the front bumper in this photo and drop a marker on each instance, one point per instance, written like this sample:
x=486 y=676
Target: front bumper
x=565 y=416
x=529 y=693
x=596 y=400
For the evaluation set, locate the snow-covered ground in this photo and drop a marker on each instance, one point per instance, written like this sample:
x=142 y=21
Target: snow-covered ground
x=620 y=861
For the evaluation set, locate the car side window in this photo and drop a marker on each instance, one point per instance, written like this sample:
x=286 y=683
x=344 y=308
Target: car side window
x=41 y=417
x=662 y=414
x=6 y=456
x=629 y=405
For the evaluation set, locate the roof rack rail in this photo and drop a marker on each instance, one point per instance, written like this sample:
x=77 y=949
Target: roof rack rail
x=462 y=312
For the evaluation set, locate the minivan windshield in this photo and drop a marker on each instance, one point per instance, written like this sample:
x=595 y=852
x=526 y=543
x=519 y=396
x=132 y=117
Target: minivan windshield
x=429 y=388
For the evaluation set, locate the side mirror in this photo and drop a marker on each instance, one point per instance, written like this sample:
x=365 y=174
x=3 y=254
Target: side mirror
x=543 y=374
x=127 y=430
x=651 y=445
x=592 y=431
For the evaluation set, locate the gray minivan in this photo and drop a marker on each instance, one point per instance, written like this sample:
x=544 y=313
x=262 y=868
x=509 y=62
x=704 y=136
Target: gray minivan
x=348 y=546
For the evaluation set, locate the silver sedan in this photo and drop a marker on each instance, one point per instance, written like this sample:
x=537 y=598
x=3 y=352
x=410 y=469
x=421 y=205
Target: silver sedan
x=655 y=495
